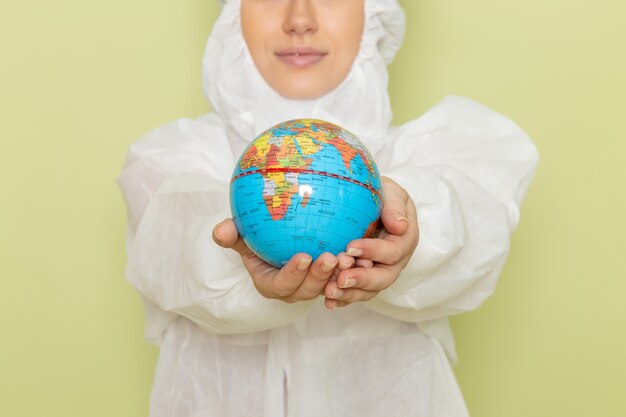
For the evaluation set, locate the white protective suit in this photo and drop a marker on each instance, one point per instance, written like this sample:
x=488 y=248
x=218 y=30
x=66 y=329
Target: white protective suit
x=226 y=350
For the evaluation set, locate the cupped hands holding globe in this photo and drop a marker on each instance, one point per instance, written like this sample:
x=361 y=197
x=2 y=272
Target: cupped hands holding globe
x=367 y=267
x=306 y=198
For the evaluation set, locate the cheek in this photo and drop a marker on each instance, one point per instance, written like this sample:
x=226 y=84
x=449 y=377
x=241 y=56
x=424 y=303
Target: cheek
x=254 y=32
x=353 y=31
x=348 y=42
x=256 y=51
x=347 y=30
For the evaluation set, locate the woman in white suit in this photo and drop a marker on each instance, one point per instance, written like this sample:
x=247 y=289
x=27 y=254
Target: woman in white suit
x=362 y=333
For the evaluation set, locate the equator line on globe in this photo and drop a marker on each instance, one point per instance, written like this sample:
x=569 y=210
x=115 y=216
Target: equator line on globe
x=307 y=186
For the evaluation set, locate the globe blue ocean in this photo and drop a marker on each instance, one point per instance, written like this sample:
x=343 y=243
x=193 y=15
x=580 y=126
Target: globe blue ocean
x=304 y=186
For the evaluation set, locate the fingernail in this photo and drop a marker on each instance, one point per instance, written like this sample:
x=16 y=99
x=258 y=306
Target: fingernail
x=350 y=282
x=401 y=218
x=337 y=293
x=355 y=252
x=304 y=264
x=328 y=266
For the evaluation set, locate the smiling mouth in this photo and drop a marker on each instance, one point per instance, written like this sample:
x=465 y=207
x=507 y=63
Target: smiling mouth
x=301 y=57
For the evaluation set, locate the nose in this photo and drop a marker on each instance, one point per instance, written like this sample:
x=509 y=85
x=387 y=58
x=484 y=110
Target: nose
x=300 y=17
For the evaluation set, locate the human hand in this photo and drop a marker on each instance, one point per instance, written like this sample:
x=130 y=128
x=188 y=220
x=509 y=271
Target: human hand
x=379 y=260
x=299 y=280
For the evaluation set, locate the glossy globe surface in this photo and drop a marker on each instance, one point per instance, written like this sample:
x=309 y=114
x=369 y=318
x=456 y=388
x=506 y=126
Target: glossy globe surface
x=304 y=185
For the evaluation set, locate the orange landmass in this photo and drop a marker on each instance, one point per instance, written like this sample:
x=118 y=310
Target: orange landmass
x=347 y=152
x=371 y=229
x=305 y=199
x=250 y=158
x=278 y=211
x=271 y=159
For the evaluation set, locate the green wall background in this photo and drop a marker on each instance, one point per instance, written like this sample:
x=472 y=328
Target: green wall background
x=79 y=81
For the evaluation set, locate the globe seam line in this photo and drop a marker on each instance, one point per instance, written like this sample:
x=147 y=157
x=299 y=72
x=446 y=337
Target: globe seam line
x=307 y=171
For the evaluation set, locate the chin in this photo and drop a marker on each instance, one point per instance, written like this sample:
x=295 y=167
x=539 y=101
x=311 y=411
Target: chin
x=300 y=96
x=301 y=91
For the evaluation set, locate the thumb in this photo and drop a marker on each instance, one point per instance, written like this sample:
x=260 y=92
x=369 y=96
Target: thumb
x=394 y=213
x=226 y=235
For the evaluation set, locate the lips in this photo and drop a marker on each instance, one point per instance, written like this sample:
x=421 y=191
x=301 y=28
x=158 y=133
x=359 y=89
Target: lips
x=300 y=57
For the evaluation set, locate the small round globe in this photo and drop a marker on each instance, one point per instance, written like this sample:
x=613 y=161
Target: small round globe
x=304 y=186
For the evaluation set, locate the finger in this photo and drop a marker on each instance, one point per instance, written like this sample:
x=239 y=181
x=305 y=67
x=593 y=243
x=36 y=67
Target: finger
x=371 y=279
x=285 y=282
x=391 y=249
x=334 y=291
x=333 y=277
x=414 y=224
x=345 y=261
x=364 y=263
x=394 y=215
x=317 y=277
x=386 y=251
x=353 y=295
x=331 y=304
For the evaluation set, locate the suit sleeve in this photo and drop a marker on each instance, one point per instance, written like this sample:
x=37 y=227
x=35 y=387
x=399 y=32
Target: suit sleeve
x=467 y=170
x=176 y=186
